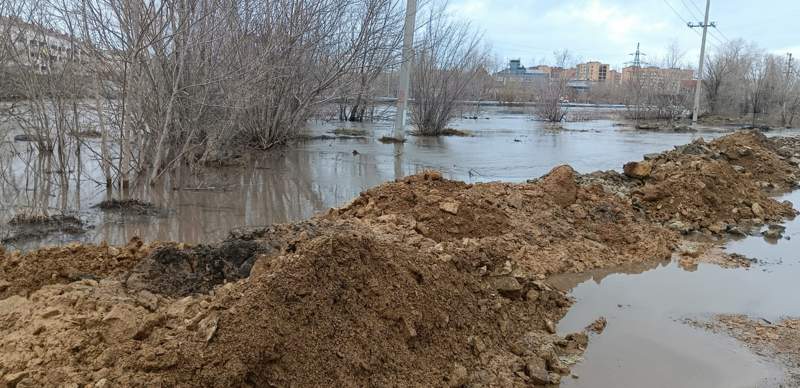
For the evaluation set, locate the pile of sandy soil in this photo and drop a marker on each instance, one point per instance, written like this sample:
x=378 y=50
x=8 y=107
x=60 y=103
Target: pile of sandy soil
x=356 y=305
x=547 y=226
x=378 y=305
x=23 y=273
x=768 y=162
x=717 y=187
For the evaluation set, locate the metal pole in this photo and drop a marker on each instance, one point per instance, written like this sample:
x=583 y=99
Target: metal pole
x=405 y=69
x=699 y=83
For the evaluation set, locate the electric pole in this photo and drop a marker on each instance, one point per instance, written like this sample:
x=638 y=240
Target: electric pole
x=699 y=83
x=787 y=87
x=405 y=69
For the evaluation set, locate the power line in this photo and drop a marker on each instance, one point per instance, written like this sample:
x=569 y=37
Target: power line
x=699 y=11
x=716 y=38
x=691 y=13
x=675 y=11
x=723 y=34
x=700 y=17
x=724 y=39
x=688 y=23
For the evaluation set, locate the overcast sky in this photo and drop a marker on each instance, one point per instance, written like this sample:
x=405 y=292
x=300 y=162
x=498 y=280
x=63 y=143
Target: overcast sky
x=608 y=30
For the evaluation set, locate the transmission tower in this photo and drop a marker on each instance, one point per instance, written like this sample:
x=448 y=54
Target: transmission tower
x=637 y=58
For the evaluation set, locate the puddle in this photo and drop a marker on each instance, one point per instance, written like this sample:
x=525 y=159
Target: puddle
x=646 y=342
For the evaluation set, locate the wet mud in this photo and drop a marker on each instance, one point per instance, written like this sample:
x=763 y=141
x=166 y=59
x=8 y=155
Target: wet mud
x=180 y=270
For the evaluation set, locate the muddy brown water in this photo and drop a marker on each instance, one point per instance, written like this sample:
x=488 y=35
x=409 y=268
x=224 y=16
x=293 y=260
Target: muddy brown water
x=647 y=342
x=294 y=182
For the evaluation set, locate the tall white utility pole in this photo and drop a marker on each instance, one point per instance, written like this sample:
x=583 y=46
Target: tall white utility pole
x=405 y=69
x=699 y=83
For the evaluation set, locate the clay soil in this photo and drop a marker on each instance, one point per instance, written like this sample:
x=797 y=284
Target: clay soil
x=22 y=274
x=418 y=282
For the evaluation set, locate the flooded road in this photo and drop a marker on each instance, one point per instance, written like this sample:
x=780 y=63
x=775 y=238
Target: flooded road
x=647 y=342
x=297 y=181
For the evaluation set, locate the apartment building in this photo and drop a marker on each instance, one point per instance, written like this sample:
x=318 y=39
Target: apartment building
x=592 y=71
x=42 y=49
x=668 y=80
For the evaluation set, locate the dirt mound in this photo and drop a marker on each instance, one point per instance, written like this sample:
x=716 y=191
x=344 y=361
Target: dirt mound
x=84 y=333
x=23 y=273
x=752 y=153
x=692 y=193
x=357 y=305
x=396 y=289
x=551 y=225
x=439 y=209
x=717 y=187
x=364 y=306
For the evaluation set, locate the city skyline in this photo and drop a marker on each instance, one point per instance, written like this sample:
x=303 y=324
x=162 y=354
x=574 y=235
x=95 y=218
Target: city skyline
x=513 y=28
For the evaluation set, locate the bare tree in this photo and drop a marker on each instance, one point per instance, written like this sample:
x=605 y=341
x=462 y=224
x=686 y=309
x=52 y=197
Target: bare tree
x=760 y=79
x=201 y=80
x=724 y=77
x=549 y=95
x=381 y=52
x=787 y=98
x=448 y=58
x=674 y=56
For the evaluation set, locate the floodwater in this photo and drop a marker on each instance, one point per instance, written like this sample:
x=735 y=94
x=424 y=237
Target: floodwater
x=295 y=182
x=647 y=343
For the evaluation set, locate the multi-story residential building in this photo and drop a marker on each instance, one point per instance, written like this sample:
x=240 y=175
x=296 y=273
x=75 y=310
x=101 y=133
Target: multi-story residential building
x=36 y=47
x=592 y=71
x=568 y=74
x=614 y=76
x=667 y=80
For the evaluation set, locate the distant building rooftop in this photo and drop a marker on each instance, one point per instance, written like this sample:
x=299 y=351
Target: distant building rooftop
x=516 y=71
